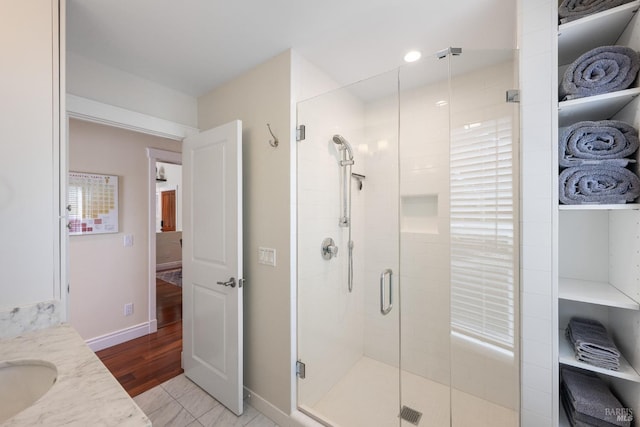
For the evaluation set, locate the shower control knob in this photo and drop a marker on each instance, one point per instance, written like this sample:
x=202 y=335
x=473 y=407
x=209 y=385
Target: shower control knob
x=329 y=248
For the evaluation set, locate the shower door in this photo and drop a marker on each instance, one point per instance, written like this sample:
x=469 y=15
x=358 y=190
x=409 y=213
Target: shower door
x=483 y=234
x=458 y=240
x=428 y=333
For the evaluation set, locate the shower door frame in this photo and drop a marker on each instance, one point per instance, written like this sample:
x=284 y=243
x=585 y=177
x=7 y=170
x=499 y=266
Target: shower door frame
x=296 y=405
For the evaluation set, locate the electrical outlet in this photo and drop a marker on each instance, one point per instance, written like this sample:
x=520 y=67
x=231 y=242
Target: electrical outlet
x=128 y=309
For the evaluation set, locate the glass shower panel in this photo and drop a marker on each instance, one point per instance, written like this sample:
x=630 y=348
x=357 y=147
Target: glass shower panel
x=424 y=241
x=407 y=247
x=483 y=206
x=348 y=336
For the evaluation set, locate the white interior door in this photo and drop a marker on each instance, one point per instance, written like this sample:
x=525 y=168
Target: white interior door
x=212 y=262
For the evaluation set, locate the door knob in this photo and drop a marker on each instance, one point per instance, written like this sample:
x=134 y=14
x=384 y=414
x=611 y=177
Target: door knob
x=231 y=282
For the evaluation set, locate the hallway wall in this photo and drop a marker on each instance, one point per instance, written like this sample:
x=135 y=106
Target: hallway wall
x=103 y=273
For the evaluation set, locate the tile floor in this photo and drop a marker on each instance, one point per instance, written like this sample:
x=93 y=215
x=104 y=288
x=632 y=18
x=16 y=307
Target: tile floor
x=178 y=402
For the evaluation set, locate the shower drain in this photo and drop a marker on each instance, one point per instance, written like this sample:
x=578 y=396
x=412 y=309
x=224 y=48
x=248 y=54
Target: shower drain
x=410 y=415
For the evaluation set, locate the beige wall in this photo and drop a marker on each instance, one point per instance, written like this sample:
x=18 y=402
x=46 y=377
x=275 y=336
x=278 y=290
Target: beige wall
x=261 y=96
x=103 y=274
x=168 y=249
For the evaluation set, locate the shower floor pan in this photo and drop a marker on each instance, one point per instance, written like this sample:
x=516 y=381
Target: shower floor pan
x=367 y=396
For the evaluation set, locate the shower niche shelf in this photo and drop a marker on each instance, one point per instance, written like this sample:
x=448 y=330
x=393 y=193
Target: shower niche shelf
x=419 y=213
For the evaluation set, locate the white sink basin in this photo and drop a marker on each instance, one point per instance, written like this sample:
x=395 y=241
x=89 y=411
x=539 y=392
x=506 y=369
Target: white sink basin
x=22 y=382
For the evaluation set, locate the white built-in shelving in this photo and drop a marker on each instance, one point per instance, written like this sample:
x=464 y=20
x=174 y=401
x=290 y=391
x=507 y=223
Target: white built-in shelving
x=594 y=207
x=598 y=107
x=567 y=357
x=600 y=293
x=600 y=29
x=617 y=228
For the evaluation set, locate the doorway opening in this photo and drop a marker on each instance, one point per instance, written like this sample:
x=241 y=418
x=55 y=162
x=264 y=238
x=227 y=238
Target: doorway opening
x=147 y=361
x=165 y=237
x=168 y=233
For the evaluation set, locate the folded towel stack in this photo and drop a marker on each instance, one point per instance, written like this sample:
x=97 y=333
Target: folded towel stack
x=608 y=142
x=592 y=343
x=595 y=154
x=570 y=10
x=583 y=185
x=588 y=401
x=601 y=70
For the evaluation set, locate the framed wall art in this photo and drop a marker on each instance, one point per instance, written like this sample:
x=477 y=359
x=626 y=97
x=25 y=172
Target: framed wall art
x=92 y=203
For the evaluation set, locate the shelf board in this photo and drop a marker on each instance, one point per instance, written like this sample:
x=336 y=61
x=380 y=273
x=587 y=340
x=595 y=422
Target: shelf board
x=601 y=293
x=598 y=107
x=616 y=207
x=600 y=29
x=566 y=356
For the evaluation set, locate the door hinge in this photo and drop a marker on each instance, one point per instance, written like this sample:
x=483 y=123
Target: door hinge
x=454 y=51
x=300 y=133
x=513 y=95
x=301 y=370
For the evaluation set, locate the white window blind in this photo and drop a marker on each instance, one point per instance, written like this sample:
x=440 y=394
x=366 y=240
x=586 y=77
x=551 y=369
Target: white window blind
x=482 y=232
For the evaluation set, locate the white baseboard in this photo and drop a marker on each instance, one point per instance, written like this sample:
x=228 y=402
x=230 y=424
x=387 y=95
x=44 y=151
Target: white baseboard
x=118 y=337
x=168 y=265
x=297 y=419
x=153 y=326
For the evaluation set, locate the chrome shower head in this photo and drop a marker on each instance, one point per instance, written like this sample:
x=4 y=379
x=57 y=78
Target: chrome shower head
x=339 y=140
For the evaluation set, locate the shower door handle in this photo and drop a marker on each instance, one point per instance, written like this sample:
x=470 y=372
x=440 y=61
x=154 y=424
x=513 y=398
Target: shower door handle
x=386 y=273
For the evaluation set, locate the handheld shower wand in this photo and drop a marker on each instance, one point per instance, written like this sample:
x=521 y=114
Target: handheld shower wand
x=345 y=163
x=343 y=144
x=346 y=160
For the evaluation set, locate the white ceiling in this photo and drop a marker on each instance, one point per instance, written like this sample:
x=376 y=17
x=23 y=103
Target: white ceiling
x=195 y=45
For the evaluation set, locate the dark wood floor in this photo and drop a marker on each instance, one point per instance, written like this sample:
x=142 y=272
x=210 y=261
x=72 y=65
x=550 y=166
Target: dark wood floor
x=168 y=303
x=148 y=361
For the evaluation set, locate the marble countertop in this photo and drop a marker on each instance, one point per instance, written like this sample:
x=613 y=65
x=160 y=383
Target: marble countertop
x=85 y=392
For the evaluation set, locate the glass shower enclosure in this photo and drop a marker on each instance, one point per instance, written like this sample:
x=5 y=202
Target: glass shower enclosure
x=407 y=269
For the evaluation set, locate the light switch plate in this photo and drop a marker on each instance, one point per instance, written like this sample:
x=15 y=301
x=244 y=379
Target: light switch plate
x=267 y=256
x=128 y=240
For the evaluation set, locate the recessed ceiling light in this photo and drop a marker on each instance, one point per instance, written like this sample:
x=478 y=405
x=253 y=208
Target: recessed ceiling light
x=412 y=56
